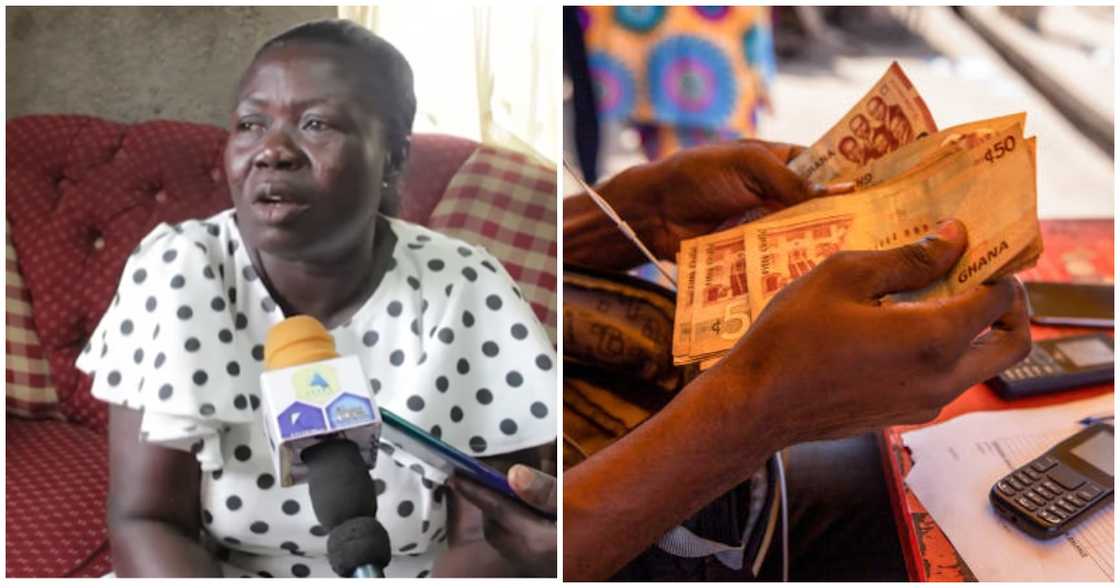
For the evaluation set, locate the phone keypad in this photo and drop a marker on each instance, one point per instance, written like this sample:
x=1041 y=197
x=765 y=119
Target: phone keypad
x=1047 y=491
x=1037 y=364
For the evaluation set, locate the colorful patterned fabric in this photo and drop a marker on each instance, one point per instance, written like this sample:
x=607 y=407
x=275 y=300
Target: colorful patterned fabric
x=684 y=75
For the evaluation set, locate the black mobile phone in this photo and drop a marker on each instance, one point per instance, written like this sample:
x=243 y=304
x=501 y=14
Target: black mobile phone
x=1062 y=487
x=1058 y=364
x=1059 y=303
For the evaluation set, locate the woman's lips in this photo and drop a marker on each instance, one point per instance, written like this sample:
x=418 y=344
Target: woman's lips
x=278 y=212
x=274 y=204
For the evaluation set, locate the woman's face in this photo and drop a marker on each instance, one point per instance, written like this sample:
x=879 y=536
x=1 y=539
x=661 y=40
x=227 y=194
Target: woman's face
x=306 y=155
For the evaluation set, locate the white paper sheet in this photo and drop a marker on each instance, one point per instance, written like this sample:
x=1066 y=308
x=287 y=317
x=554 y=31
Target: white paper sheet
x=955 y=465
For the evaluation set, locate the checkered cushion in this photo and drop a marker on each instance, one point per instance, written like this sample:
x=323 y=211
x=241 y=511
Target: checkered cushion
x=29 y=390
x=506 y=203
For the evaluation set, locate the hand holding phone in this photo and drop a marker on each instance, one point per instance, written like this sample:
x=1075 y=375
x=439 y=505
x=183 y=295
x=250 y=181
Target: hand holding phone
x=446 y=458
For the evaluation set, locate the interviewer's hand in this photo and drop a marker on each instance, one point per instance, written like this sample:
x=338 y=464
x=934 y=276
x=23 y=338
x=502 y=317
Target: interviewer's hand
x=522 y=536
x=831 y=358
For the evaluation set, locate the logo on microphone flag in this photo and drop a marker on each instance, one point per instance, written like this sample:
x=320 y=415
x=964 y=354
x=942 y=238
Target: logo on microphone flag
x=300 y=419
x=316 y=384
x=349 y=410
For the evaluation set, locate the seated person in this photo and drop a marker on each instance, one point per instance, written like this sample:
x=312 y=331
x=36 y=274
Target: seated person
x=319 y=138
x=825 y=360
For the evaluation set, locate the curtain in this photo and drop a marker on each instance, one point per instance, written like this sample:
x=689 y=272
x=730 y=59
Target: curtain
x=489 y=73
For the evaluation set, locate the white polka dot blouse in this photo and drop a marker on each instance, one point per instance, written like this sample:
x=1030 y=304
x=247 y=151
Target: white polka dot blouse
x=446 y=340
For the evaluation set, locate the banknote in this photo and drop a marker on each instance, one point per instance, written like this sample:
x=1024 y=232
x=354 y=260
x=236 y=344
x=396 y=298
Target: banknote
x=989 y=187
x=982 y=172
x=890 y=115
x=989 y=184
x=927 y=151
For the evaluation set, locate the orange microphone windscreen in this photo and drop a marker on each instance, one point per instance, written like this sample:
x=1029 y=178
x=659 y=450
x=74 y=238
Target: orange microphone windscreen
x=297 y=340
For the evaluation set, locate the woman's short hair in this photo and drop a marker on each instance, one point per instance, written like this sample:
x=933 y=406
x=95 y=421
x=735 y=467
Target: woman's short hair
x=393 y=101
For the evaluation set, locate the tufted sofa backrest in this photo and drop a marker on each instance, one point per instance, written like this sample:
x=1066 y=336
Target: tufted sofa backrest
x=83 y=191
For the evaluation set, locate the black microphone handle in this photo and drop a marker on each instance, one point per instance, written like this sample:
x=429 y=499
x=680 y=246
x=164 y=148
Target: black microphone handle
x=344 y=499
x=338 y=481
x=359 y=548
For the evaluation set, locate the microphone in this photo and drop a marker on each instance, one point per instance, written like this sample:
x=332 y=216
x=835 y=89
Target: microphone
x=319 y=414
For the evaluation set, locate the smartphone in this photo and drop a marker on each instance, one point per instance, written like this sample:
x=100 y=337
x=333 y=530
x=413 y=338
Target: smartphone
x=1060 y=303
x=446 y=458
x=1062 y=487
x=1058 y=364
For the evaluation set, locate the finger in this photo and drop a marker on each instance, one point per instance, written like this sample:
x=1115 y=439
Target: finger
x=487 y=500
x=1007 y=343
x=785 y=152
x=792 y=153
x=768 y=176
x=980 y=307
x=910 y=267
x=502 y=539
x=493 y=504
x=534 y=487
x=832 y=189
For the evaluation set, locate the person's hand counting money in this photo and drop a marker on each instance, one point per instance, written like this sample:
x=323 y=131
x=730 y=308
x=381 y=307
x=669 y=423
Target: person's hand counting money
x=839 y=360
x=689 y=194
x=827 y=357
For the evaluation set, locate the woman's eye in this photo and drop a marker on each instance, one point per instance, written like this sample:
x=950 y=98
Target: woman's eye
x=248 y=125
x=315 y=125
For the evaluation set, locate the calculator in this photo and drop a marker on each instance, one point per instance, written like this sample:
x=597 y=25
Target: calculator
x=1058 y=364
x=1062 y=487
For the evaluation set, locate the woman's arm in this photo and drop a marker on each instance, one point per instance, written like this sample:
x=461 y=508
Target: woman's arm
x=154 y=518
x=469 y=555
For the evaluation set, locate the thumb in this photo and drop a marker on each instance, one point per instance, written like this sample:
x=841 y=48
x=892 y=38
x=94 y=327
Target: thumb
x=769 y=177
x=917 y=265
x=534 y=487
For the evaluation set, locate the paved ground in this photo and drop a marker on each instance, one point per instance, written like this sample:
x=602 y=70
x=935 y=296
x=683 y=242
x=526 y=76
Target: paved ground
x=962 y=78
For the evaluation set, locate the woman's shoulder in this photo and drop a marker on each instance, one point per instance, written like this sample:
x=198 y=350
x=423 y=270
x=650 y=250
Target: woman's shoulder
x=212 y=241
x=429 y=253
x=416 y=238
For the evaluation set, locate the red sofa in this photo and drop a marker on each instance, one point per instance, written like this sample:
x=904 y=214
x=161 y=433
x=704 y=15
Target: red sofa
x=81 y=193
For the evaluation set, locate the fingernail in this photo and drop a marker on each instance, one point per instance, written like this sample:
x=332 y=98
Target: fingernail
x=948 y=229
x=521 y=477
x=838 y=188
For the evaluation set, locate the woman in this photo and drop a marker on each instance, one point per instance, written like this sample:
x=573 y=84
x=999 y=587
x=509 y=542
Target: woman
x=319 y=138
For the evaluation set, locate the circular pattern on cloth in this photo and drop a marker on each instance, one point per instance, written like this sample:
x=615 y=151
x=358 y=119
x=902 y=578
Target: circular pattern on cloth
x=712 y=13
x=691 y=82
x=640 y=19
x=201 y=370
x=584 y=18
x=614 y=86
x=758 y=49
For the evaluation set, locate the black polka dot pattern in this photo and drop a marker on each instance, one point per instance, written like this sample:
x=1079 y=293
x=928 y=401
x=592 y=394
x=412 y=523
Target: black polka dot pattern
x=444 y=342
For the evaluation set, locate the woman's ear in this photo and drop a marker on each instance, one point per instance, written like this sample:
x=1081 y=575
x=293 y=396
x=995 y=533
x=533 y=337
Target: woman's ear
x=400 y=155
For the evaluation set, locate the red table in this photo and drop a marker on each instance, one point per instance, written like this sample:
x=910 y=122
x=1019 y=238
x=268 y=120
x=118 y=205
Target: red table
x=1077 y=251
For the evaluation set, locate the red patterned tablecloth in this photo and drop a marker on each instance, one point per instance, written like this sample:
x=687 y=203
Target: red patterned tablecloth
x=1076 y=251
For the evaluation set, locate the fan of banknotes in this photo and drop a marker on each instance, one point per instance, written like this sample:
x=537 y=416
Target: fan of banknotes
x=908 y=176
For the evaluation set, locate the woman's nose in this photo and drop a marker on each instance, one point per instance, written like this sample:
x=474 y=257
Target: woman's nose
x=278 y=151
